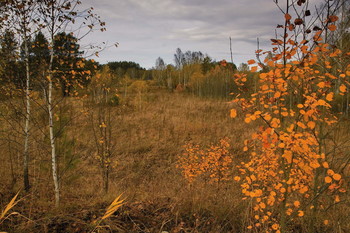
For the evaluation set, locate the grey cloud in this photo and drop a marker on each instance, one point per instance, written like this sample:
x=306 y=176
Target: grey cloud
x=153 y=28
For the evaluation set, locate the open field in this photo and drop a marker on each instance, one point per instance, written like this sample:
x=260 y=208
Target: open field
x=147 y=143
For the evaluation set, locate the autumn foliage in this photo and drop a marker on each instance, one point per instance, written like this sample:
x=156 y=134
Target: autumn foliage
x=290 y=174
x=212 y=164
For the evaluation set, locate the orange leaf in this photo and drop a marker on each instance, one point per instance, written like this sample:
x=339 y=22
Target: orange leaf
x=329 y=96
x=251 y=61
x=321 y=84
x=330 y=172
x=311 y=124
x=275 y=226
x=336 y=176
x=264 y=87
x=333 y=18
x=342 y=88
x=291 y=27
x=277 y=94
x=297 y=204
x=233 y=113
x=298 y=21
x=328 y=180
x=322 y=103
x=301 y=125
x=287 y=17
x=290 y=128
x=332 y=27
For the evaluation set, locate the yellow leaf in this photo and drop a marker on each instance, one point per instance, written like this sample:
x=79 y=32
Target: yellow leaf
x=9 y=206
x=337 y=199
x=103 y=125
x=113 y=207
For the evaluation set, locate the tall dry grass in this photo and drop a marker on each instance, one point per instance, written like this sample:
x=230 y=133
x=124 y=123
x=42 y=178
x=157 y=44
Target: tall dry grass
x=148 y=137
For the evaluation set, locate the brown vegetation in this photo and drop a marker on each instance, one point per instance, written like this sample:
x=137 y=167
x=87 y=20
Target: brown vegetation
x=148 y=142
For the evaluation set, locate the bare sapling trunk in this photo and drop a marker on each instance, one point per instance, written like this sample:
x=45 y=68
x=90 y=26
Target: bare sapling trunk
x=27 y=120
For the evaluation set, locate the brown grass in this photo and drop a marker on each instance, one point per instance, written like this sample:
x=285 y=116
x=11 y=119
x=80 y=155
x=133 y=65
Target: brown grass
x=148 y=140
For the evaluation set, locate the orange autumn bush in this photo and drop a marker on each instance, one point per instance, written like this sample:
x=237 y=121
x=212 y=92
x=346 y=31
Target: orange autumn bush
x=289 y=176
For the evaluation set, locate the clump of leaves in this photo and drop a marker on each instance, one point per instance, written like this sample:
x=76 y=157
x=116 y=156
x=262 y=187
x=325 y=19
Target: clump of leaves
x=211 y=163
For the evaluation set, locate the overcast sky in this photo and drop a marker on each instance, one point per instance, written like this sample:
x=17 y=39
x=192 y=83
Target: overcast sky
x=148 y=29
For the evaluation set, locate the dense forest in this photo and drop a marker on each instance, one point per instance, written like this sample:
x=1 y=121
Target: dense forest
x=195 y=146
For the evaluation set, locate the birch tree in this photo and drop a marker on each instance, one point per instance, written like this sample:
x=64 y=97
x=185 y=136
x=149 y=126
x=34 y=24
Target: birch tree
x=56 y=17
x=21 y=19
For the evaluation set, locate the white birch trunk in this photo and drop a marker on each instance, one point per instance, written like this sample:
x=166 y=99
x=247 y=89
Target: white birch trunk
x=51 y=129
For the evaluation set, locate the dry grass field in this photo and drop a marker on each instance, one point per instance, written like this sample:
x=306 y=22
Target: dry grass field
x=148 y=136
x=147 y=141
